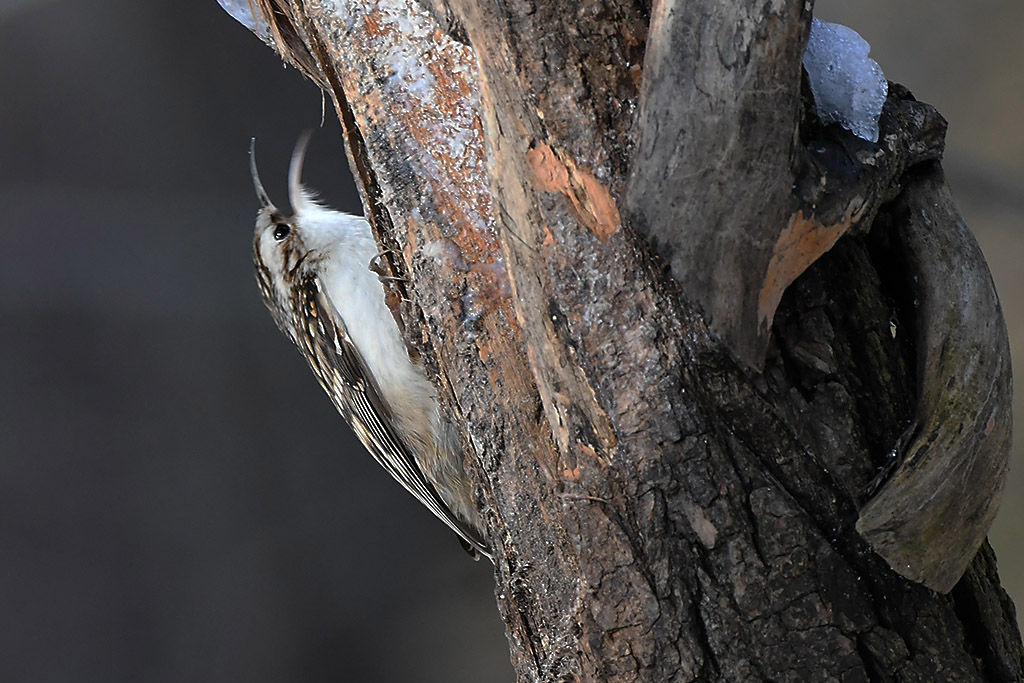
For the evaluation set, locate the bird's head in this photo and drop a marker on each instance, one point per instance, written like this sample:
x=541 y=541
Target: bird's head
x=283 y=244
x=289 y=248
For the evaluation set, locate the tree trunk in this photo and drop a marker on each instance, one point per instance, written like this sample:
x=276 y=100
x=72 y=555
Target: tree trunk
x=734 y=385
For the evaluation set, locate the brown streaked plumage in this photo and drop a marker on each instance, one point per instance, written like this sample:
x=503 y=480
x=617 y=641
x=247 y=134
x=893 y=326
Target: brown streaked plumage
x=313 y=272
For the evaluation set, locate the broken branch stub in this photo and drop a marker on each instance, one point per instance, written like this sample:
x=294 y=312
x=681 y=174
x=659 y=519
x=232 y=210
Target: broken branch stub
x=711 y=178
x=932 y=514
x=735 y=258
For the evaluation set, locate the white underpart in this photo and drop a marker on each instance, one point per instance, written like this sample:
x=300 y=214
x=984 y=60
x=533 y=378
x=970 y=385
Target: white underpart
x=849 y=87
x=358 y=297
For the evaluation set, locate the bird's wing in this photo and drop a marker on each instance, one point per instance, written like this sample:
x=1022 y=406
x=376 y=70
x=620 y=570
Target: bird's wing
x=342 y=372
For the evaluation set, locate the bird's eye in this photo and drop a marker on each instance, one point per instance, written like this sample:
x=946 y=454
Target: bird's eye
x=282 y=230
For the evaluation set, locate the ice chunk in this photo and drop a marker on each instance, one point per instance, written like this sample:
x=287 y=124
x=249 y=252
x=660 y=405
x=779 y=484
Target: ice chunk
x=849 y=87
x=247 y=16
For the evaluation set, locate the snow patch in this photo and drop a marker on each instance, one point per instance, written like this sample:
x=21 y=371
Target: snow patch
x=849 y=87
x=244 y=14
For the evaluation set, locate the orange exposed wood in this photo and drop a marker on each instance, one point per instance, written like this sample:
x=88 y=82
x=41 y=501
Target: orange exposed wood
x=590 y=199
x=802 y=242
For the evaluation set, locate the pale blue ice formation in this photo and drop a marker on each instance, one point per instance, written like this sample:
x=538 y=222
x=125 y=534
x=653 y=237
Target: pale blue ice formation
x=243 y=13
x=849 y=87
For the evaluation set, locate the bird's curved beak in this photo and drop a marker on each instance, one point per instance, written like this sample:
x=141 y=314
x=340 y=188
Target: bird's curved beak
x=261 y=193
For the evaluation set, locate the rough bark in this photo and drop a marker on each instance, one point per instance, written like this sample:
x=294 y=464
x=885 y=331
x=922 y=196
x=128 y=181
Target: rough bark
x=677 y=320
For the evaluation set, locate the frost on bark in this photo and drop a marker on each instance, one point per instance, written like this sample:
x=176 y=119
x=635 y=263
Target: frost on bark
x=720 y=370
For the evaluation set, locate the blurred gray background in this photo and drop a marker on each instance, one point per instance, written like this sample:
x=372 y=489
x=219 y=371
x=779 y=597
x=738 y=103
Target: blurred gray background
x=178 y=500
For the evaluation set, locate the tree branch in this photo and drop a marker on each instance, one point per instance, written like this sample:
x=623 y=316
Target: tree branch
x=660 y=511
x=719 y=109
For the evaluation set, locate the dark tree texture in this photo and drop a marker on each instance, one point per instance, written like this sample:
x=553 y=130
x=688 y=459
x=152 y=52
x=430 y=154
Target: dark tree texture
x=735 y=385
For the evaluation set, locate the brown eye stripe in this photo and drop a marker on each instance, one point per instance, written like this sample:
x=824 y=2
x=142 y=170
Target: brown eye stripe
x=262 y=271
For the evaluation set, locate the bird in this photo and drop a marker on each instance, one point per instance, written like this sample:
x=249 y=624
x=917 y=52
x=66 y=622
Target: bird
x=313 y=269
